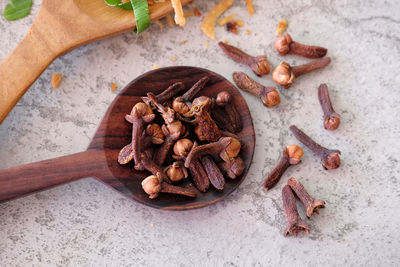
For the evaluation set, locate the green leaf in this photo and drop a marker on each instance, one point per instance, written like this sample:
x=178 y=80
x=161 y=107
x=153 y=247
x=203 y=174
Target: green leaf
x=17 y=9
x=118 y=3
x=142 y=15
x=140 y=9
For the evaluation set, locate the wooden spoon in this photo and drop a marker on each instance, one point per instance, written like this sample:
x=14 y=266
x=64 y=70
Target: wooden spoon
x=100 y=159
x=60 y=26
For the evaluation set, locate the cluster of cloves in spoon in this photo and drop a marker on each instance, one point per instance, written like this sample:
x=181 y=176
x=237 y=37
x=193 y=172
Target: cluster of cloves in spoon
x=180 y=135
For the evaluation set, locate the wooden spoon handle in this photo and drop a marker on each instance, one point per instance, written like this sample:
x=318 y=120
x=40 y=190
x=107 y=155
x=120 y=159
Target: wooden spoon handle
x=29 y=178
x=22 y=67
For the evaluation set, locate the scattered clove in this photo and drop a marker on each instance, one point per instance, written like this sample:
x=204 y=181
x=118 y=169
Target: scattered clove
x=295 y=223
x=330 y=158
x=258 y=64
x=331 y=118
x=233 y=168
x=213 y=172
x=268 y=95
x=224 y=99
x=285 y=45
x=291 y=155
x=311 y=204
x=227 y=148
x=153 y=185
x=285 y=74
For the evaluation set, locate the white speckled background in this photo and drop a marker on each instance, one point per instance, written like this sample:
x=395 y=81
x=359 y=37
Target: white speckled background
x=87 y=224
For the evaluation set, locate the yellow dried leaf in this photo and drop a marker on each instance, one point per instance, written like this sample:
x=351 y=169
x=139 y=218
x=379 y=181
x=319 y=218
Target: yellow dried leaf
x=170 y=20
x=226 y=19
x=282 y=25
x=173 y=59
x=179 y=17
x=250 y=7
x=240 y=22
x=113 y=87
x=226 y=41
x=248 y=32
x=56 y=79
x=208 y=23
x=156 y=67
x=183 y=42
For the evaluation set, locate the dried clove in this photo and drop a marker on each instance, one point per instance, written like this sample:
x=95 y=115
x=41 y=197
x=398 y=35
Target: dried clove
x=224 y=99
x=153 y=185
x=213 y=172
x=140 y=114
x=153 y=167
x=154 y=131
x=291 y=155
x=233 y=168
x=181 y=104
x=258 y=64
x=172 y=132
x=330 y=158
x=331 y=118
x=295 y=223
x=167 y=113
x=206 y=129
x=311 y=204
x=285 y=74
x=182 y=148
x=199 y=175
x=285 y=45
x=176 y=171
x=167 y=94
x=268 y=95
x=221 y=118
x=226 y=147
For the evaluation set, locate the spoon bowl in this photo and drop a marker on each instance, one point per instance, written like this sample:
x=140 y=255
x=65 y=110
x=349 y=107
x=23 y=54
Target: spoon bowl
x=100 y=159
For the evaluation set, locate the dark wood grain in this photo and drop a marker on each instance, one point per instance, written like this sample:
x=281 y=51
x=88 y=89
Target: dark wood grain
x=100 y=160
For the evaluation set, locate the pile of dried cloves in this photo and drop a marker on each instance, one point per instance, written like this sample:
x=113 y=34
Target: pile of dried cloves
x=195 y=139
x=284 y=75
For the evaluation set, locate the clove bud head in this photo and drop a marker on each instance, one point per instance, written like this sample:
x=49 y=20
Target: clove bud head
x=332 y=121
x=223 y=98
x=260 y=65
x=182 y=147
x=295 y=154
x=332 y=160
x=233 y=168
x=179 y=106
x=176 y=171
x=231 y=150
x=154 y=130
x=271 y=97
x=282 y=44
x=152 y=186
x=283 y=75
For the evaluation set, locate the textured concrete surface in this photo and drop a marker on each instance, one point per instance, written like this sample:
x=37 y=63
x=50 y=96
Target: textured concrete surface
x=87 y=224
